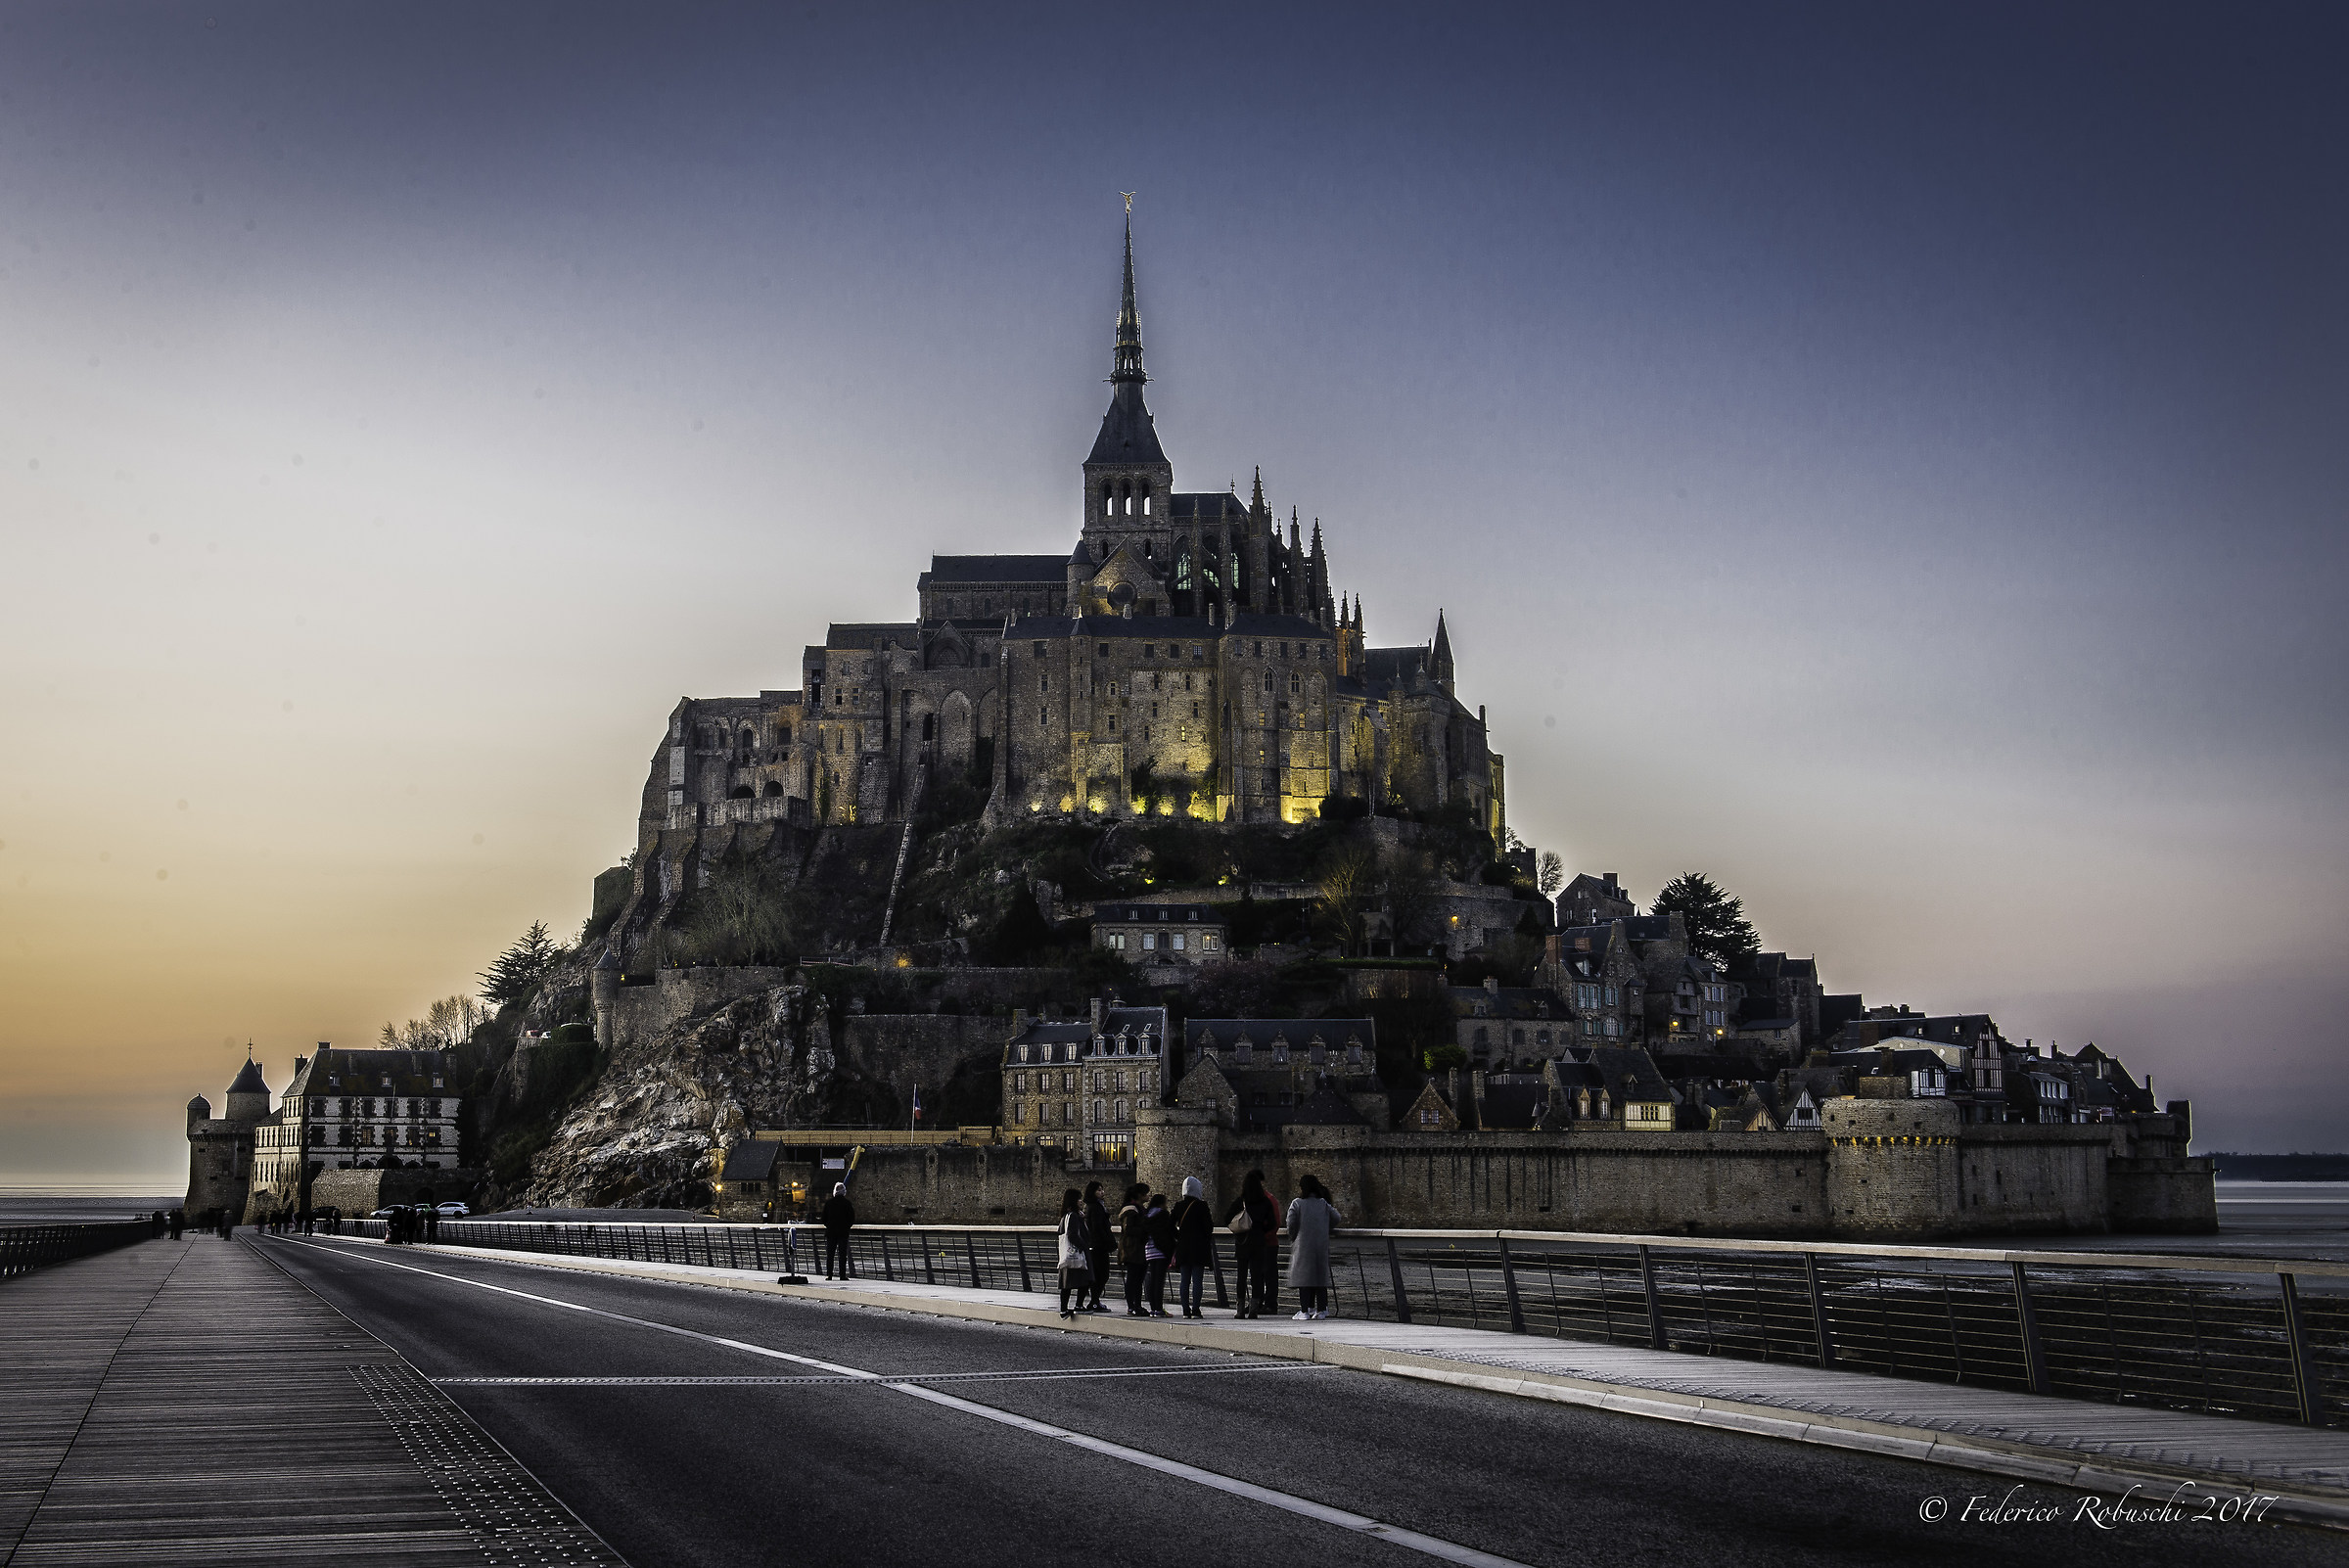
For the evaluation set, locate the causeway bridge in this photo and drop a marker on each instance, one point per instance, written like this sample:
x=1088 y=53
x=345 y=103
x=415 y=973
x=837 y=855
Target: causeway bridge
x=619 y=1393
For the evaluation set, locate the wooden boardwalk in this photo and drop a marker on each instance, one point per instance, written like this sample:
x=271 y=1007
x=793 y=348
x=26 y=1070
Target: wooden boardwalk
x=185 y=1403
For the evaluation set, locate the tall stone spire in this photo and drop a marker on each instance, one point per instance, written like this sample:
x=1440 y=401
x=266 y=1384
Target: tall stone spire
x=1125 y=364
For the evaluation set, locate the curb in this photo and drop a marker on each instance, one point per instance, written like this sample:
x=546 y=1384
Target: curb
x=1998 y=1457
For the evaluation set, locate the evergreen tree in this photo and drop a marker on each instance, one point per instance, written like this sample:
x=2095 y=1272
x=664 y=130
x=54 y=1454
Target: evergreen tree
x=521 y=967
x=1718 y=929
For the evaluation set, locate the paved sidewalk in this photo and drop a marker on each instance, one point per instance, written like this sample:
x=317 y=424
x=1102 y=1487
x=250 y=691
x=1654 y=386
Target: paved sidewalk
x=2077 y=1443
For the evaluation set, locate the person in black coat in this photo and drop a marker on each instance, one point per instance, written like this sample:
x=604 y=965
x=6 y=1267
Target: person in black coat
x=1256 y=1246
x=1194 y=1244
x=838 y=1217
x=1099 y=1234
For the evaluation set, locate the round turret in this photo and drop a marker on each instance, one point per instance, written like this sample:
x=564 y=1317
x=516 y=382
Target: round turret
x=249 y=1095
x=199 y=1108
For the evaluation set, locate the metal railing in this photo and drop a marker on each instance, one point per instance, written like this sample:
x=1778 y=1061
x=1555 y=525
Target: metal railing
x=2266 y=1339
x=25 y=1248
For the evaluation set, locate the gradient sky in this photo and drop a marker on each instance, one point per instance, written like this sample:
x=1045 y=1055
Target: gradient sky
x=1890 y=458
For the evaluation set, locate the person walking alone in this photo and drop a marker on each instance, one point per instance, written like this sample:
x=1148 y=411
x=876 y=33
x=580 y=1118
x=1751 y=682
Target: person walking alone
x=1131 y=1242
x=1312 y=1218
x=1255 y=1225
x=839 y=1217
x=1097 y=1237
x=1194 y=1244
x=1076 y=1265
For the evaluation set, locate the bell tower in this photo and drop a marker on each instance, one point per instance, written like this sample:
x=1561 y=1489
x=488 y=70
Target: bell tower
x=1128 y=484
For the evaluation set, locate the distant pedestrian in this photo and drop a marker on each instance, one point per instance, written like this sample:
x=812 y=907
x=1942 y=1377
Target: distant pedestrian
x=1132 y=1254
x=179 y=1218
x=1254 y=1222
x=431 y=1225
x=1158 y=1252
x=1194 y=1244
x=1076 y=1262
x=1312 y=1218
x=839 y=1217
x=1098 y=1237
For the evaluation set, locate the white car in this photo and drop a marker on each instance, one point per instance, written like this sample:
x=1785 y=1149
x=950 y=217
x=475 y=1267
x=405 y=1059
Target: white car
x=453 y=1210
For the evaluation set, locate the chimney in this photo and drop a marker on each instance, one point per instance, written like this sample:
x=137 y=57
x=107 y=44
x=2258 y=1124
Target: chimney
x=1019 y=1020
x=1096 y=1015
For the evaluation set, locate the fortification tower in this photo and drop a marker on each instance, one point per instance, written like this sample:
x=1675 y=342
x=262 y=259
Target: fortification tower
x=220 y=1150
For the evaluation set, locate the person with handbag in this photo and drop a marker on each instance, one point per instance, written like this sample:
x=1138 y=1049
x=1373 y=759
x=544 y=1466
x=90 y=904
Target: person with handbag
x=1194 y=1244
x=1255 y=1227
x=1076 y=1265
x=1312 y=1218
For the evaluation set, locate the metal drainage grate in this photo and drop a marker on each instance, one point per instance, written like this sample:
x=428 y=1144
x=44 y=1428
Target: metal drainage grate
x=514 y=1519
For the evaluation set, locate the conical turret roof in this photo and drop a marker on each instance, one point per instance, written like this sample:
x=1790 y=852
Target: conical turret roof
x=250 y=1080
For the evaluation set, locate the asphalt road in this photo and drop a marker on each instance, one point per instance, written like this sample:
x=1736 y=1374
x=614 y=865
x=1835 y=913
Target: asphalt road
x=846 y=1469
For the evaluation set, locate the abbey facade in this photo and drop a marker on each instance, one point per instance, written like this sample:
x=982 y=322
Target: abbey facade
x=1183 y=658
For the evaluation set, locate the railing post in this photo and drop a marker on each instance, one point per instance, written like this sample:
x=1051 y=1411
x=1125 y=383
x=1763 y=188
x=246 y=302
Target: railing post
x=1019 y=1244
x=2034 y=1359
x=889 y=1270
x=1214 y=1260
x=1403 y=1303
x=1819 y=1310
x=1656 y=1337
x=791 y=1248
x=2304 y=1371
x=970 y=1247
x=929 y=1257
x=1509 y=1285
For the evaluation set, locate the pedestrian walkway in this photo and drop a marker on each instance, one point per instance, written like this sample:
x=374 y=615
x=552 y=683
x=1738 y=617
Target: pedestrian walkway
x=184 y=1402
x=2032 y=1437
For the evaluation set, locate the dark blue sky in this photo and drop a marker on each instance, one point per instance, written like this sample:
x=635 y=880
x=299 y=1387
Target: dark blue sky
x=1889 y=457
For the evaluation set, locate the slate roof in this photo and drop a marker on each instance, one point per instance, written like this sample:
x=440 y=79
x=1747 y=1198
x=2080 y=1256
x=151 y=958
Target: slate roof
x=752 y=1160
x=1123 y=915
x=362 y=1072
x=1208 y=506
x=854 y=634
x=1115 y=1021
x=1629 y=1073
x=1513 y=1105
x=1051 y=571
x=1224 y=1034
x=248 y=1079
x=1393 y=663
x=1129 y=435
x=1509 y=1001
x=1193 y=628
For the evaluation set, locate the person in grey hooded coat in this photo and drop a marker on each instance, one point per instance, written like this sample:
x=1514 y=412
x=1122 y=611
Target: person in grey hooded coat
x=1311 y=1218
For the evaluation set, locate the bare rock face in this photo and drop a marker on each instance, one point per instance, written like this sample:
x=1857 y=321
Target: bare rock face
x=646 y=1135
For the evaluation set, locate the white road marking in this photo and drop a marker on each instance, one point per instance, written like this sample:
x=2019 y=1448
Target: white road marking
x=1288 y=1502
x=887 y=1379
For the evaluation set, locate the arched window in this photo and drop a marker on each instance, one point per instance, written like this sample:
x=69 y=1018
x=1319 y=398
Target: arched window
x=1614 y=1028
x=774 y=787
x=740 y=791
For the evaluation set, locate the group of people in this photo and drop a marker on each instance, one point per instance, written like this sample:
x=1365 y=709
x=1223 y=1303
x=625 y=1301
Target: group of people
x=411 y=1224
x=1152 y=1238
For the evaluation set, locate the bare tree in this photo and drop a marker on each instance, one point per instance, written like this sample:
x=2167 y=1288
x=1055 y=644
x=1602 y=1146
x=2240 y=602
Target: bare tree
x=1552 y=875
x=1345 y=889
x=1411 y=892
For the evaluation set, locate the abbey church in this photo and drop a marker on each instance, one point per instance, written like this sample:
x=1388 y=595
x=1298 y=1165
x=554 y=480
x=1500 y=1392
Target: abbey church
x=1184 y=657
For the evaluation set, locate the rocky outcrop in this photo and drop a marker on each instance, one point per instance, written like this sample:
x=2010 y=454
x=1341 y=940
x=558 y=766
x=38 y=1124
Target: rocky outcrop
x=644 y=1136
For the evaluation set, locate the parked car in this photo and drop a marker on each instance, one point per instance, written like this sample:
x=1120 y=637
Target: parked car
x=383 y=1214
x=455 y=1211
